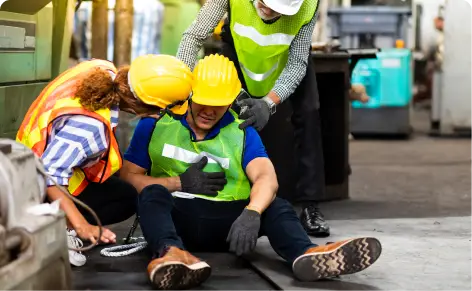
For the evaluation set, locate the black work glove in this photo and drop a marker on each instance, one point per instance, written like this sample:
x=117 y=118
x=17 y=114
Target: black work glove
x=195 y=181
x=244 y=232
x=256 y=112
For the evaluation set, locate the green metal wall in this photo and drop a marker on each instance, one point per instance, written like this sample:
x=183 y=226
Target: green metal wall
x=14 y=102
x=20 y=66
x=179 y=14
x=45 y=27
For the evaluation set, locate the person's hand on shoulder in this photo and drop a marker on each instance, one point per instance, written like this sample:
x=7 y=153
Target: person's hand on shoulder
x=254 y=112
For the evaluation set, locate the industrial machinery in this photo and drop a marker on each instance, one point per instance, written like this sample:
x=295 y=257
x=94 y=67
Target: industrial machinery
x=388 y=82
x=452 y=93
x=388 y=78
x=33 y=246
x=34 y=48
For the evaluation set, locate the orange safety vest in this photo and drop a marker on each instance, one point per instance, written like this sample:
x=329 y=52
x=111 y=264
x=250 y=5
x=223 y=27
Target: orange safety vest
x=57 y=100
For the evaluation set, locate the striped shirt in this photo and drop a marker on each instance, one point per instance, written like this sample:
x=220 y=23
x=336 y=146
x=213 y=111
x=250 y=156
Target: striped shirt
x=147 y=25
x=208 y=18
x=75 y=141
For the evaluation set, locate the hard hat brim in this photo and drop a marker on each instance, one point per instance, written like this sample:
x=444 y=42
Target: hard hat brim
x=283 y=9
x=212 y=101
x=180 y=109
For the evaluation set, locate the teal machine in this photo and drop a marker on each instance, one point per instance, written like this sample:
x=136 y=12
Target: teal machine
x=388 y=78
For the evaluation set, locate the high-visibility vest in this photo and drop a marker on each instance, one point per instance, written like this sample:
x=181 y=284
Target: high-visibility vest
x=57 y=100
x=172 y=151
x=263 y=49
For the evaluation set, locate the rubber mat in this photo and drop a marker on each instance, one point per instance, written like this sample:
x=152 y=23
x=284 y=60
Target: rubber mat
x=105 y=273
x=102 y=273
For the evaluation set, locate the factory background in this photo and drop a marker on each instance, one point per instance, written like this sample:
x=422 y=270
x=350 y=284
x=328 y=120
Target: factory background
x=395 y=84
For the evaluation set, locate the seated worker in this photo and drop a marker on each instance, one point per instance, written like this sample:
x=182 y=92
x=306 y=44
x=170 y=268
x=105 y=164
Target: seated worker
x=206 y=185
x=71 y=127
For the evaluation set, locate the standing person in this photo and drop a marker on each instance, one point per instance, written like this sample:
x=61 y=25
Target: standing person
x=270 y=43
x=71 y=127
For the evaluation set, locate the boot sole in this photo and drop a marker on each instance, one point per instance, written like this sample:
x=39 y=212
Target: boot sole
x=176 y=275
x=353 y=256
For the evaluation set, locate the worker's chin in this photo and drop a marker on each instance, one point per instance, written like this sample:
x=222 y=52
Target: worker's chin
x=206 y=124
x=266 y=17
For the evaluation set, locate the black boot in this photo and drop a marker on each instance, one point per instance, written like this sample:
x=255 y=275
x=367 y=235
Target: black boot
x=313 y=221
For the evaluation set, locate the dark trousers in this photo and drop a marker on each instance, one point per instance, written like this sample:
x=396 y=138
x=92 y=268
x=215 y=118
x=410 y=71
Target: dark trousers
x=308 y=147
x=113 y=201
x=203 y=225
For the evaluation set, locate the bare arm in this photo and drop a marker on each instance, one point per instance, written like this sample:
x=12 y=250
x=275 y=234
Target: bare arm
x=261 y=173
x=202 y=27
x=136 y=176
x=74 y=217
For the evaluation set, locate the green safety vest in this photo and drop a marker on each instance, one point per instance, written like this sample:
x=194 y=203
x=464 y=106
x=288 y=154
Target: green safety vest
x=262 y=48
x=172 y=151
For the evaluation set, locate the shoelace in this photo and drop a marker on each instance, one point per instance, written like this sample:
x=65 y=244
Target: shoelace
x=75 y=241
x=316 y=214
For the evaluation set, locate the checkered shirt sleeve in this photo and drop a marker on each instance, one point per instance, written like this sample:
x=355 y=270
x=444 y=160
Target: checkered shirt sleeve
x=208 y=18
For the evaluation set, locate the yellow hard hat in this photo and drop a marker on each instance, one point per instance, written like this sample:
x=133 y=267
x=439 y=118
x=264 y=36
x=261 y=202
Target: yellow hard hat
x=215 y=82
x=160 y=80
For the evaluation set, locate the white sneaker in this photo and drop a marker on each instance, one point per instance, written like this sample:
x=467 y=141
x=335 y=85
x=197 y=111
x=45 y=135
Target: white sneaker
x=75 y=258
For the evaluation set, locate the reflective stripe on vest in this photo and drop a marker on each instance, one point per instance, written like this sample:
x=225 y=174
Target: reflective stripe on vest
x=261 y=39
x=263 y=49
x=57 y=100
x=189 y=157
x=172 y=151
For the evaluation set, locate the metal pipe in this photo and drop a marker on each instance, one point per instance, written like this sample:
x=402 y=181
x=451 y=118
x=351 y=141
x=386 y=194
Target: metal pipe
x=100 y=29
x=123 y=32
x=13 y=241
x=122 y=56
x=4 y=253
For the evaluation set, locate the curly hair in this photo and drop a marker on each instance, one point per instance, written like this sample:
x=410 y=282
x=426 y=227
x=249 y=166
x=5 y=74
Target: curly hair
x=97 y=90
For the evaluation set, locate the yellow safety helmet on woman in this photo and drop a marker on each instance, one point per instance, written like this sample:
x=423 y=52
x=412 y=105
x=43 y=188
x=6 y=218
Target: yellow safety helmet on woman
x=215 y=82
x=161 y=80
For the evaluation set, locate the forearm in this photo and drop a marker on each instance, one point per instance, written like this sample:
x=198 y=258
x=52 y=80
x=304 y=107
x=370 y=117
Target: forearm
x=202 y=27
x=263 y=192
x=74 y=217
x=289 y=80
x=297 y=64
x=189 y=48
x=141 y=181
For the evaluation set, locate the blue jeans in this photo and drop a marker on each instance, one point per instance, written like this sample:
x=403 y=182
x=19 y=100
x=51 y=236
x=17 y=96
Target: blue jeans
x=203 y=225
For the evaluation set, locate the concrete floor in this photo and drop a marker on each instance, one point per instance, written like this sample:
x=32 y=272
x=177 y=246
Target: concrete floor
x=417 y=254
x=414 y=195
x=421 y=177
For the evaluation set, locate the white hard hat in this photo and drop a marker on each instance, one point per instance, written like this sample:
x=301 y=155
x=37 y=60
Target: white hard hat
x=285 y=7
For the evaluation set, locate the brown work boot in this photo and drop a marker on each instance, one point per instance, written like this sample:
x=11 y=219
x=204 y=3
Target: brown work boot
x=177 y=269
x=339 y=258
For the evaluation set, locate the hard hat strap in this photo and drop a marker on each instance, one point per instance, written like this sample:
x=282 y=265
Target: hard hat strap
x=167 y=109
x=131 y=87
x=190 y=109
